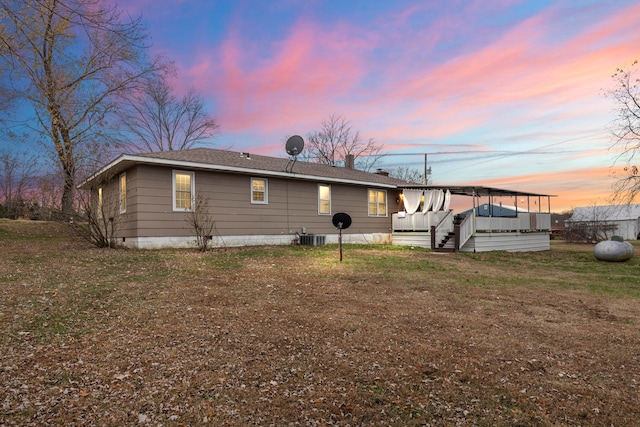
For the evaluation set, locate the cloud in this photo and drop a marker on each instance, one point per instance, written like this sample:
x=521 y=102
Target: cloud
x=573 y=187
x=395 y=78
x=485 y=79
x=532 y=70
x=286 y=83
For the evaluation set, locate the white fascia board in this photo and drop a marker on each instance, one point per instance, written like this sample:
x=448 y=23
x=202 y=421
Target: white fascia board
x=221 y=168
x=103 y=170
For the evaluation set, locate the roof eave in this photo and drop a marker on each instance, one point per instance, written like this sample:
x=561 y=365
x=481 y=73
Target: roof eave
x=86 y=183
x=474 y=190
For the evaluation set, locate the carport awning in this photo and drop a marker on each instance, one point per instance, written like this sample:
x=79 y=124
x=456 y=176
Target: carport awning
x=475 y=190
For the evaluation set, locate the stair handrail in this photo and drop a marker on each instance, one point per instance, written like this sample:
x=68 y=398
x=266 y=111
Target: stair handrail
x=465 y=229
x=439 y=231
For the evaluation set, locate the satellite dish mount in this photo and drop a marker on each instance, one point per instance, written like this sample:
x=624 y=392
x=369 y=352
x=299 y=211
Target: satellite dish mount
x=294 y=147
x=341 y=221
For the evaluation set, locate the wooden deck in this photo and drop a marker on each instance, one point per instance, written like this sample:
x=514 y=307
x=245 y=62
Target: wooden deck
x=444 y=232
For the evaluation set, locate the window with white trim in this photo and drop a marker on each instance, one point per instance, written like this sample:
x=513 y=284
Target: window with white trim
x=183 y=190
x=123 y=193
x=377 y=203
x=324 y=199
x=259 y=191
x=100 y=203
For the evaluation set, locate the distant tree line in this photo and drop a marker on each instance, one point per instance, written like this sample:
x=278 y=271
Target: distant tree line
x=25 y=192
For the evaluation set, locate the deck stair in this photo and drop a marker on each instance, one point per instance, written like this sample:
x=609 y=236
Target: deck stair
x=447 y=244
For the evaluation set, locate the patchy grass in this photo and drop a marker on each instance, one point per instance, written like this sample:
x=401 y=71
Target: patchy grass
x=292 y=336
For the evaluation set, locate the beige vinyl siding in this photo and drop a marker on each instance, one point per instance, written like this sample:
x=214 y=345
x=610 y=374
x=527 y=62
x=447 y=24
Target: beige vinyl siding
x=236 y=215
x=353 y=200
x=293 y=204
x=155 y=215
x=126 y=220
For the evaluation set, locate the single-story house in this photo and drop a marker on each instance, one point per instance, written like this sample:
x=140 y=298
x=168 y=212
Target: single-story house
x=602 y=222
x=259 y=200
x=253 y=199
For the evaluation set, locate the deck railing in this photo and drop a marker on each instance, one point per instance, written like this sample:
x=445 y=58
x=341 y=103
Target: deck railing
x=465 y=230
x=417 y=222
x=440 y=230
x=523 y=222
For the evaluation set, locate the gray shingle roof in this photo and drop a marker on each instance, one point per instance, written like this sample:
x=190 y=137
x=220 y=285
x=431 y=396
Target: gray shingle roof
x=237 y=162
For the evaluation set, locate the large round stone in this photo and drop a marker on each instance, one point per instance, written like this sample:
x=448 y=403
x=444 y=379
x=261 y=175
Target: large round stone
x=611 y=250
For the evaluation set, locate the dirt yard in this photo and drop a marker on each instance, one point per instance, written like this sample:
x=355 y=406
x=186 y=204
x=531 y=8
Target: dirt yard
x=290 y=336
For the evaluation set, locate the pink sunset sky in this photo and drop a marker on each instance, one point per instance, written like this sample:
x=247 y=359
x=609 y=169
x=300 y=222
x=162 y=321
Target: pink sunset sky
x=500 y=93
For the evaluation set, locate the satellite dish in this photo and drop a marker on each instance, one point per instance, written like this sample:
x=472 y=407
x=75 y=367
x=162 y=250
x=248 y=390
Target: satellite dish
x=294 y=145
x=341 y=221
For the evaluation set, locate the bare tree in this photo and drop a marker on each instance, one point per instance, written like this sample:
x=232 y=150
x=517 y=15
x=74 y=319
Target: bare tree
x=591 y=225
x=201 y=220
x=156 y=120
x=16 y=171
x=626 y=131
x=337 y=139
x=47 y=193
x=68 y=60
x=408 y=174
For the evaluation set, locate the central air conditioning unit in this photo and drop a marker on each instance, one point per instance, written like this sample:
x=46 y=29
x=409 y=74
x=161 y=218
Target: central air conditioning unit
x=312 y=239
